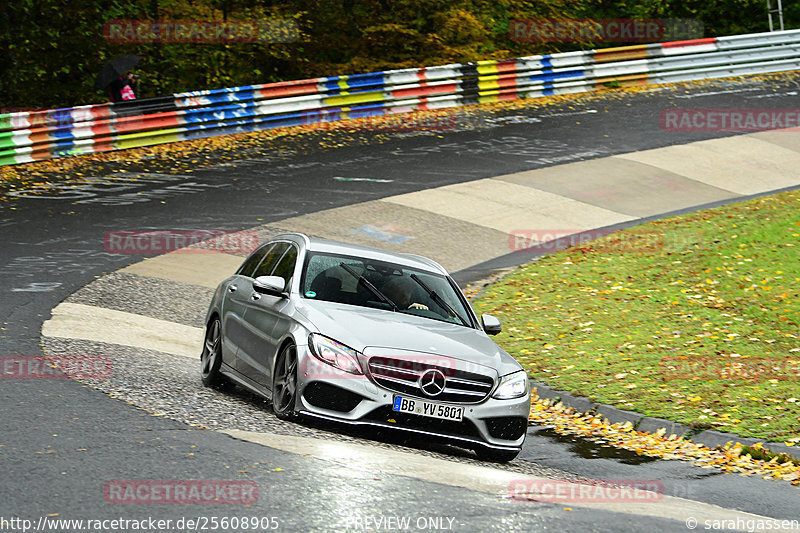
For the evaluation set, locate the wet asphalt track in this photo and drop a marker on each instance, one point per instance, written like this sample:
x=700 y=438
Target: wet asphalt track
x=61 y=440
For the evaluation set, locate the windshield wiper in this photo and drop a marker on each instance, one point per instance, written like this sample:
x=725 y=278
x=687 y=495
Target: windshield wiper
x=382 y=297
x=439 y=300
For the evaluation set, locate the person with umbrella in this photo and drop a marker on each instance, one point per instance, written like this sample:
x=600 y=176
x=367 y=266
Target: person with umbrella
x=127 y=86
x=116 y=76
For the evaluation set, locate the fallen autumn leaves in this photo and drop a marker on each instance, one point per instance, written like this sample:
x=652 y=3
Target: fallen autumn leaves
x=731 y=459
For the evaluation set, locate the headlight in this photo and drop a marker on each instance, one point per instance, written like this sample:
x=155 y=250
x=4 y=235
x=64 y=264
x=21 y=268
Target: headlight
x=334 y=353
x=512 y=386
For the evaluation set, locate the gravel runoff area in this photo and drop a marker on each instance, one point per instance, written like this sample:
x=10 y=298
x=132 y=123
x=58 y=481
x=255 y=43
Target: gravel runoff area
x=169 y=386
x=153 y=297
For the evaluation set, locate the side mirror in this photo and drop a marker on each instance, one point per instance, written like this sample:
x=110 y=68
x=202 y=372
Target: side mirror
x=273 y=285
x=491 y=325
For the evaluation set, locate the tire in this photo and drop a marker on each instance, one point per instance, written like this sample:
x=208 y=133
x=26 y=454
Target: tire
x=284 y=384
x=496 y=456
x=211 y=358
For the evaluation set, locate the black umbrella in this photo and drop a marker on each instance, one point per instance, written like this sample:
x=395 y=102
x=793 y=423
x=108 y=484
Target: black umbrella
x=115 y=68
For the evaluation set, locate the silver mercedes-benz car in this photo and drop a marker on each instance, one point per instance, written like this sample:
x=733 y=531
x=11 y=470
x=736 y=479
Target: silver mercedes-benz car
x=366 y=337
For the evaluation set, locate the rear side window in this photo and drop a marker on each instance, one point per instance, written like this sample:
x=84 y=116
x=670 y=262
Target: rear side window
x=250 y=264
x=271 y=259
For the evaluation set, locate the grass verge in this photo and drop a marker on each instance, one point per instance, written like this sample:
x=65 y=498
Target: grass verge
x=693 y=318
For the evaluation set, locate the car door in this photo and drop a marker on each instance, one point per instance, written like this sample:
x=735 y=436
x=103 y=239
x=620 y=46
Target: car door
x=255 y=340
x=266 y=314
x=237 y=291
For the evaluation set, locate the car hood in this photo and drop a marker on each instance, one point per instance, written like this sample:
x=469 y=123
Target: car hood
x=379 y=332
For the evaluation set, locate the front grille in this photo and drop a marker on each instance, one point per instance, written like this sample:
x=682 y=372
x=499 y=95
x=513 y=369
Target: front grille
x=403 y=376
x=327 y=396
x=507 y=427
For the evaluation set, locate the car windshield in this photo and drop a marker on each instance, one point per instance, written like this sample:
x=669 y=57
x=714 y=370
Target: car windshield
x=381 y=285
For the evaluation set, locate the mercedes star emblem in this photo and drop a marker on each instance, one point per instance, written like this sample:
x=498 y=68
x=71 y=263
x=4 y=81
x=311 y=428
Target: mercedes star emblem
x=432 y=382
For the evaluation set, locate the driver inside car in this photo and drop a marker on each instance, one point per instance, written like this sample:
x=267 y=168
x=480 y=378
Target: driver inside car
x=399 y=290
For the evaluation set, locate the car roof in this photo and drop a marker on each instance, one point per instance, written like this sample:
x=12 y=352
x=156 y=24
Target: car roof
x=317 y=244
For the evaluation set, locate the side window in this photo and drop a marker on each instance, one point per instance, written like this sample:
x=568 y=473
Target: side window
x=271 y=259
x=285 y=268
x=250 y=264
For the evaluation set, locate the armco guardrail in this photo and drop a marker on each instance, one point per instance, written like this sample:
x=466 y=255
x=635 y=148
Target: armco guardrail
x=26 y=137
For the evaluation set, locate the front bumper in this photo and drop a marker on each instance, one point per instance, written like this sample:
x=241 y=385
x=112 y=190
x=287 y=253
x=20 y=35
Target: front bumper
x=327 y=393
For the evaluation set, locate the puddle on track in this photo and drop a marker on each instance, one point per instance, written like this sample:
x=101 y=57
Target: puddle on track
x=592 y=450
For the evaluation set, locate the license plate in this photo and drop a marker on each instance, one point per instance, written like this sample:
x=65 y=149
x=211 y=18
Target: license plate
x=429 y=409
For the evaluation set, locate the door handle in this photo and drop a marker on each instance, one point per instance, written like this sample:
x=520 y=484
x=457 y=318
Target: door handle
x=232 y=288
x=255 y=296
